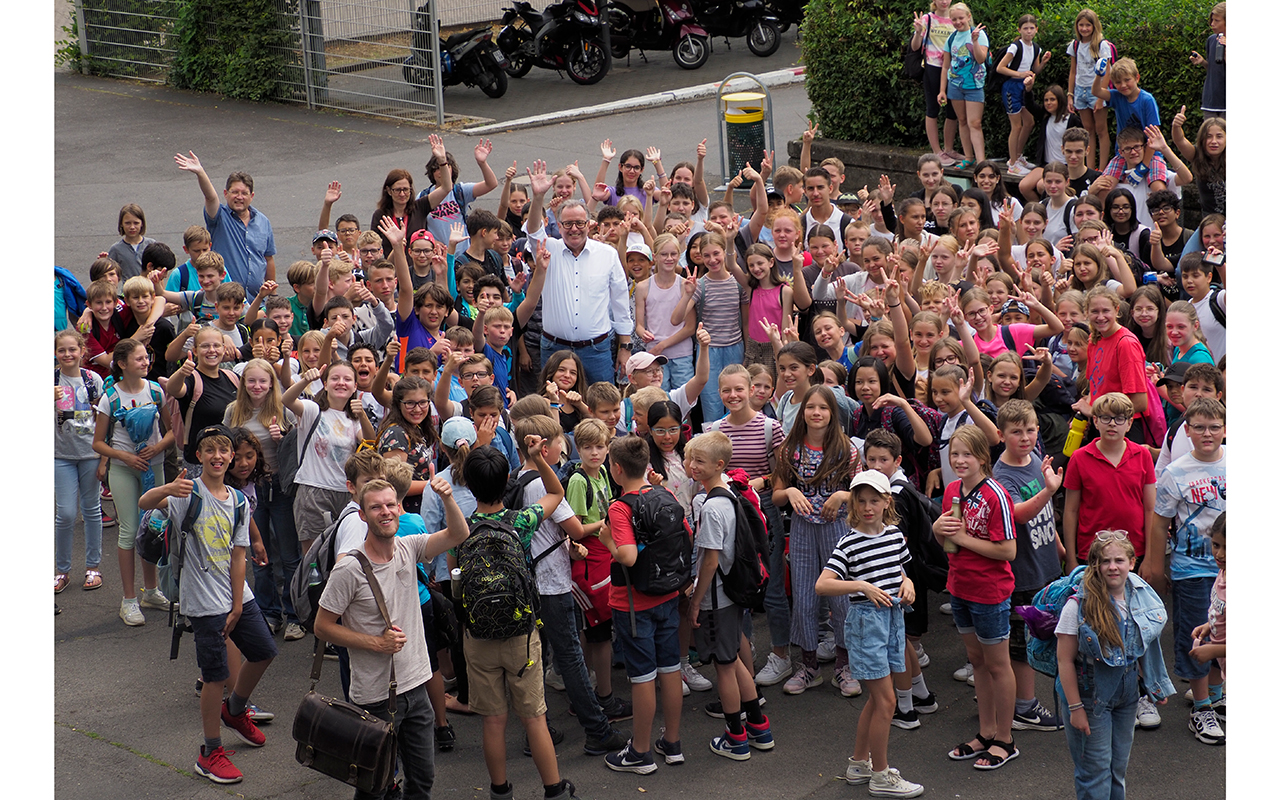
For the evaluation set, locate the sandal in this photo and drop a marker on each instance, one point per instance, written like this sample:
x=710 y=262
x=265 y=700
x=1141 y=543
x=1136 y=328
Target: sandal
x=963 y=752
x=964 y=163
x=60 y=582
x=92 y=579
x=994 y=761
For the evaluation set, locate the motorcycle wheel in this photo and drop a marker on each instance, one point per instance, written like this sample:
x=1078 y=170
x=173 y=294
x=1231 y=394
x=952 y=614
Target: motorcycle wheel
x=692 y=51
x=764 y=38
x=497 y=84
x=588 y=63
x=416 y=75
x=518 y=60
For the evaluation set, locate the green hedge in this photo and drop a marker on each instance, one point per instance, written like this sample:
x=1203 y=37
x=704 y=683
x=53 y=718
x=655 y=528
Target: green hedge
x=853 y=50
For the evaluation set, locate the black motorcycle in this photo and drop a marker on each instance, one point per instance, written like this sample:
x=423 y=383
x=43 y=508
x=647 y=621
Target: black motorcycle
x=787 y=12
x=664 y=25
x=735 y=18
x=568 y=35
x=468 y=57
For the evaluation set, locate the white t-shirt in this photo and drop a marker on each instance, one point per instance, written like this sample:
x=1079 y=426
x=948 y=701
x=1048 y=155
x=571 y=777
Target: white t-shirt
x=120 y=436
x=335 y=440
x=1172 y=451
x=352 y=531
x=1028 y=57
x=552 y=573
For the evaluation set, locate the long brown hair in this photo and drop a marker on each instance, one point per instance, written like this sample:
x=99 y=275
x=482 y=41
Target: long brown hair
x=1096 y=607
x=242 y=406
x=835 y=469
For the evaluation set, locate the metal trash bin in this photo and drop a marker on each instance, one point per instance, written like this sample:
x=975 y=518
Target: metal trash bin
x=744 y=129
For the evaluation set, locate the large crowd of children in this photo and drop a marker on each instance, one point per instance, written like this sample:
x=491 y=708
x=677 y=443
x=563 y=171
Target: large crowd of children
x=826 y=411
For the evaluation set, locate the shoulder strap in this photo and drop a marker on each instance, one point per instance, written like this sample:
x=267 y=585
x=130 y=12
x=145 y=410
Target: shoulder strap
x=184 y=273
x=197 y=389
x=306 y=441
x=1017 y=54
x=386 y=617
x=1006 y=333
x=1219 y=313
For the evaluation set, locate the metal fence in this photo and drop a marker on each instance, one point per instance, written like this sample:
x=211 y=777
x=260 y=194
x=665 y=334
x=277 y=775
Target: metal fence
x=375 y=57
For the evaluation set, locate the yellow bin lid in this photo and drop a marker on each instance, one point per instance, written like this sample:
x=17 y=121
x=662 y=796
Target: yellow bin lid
x=742 y=97
x=740 y=116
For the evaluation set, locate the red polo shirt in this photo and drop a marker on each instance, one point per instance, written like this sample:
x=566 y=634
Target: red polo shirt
x=1110 y=496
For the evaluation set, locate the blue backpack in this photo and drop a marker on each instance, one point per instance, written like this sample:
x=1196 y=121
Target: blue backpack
x=1041 y=618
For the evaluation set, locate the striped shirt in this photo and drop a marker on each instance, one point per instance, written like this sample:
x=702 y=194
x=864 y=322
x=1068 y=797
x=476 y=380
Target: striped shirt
x=878 y=560
x=753 y=443
x=721 y=309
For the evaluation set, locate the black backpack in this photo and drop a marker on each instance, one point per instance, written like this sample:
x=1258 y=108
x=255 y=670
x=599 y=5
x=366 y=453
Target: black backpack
x=916 y=515
x=745 y=578
x=499 y=598
x=664 y=562
x=1219 y=313
x=306 y=595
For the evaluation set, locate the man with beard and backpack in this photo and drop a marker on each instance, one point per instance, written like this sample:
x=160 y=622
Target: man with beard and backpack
x=500 y=605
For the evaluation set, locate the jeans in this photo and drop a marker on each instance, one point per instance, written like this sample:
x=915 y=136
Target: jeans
x=677 y=373
x=274 y=517
x=1102 y=757
x=1191 y=598
x=560 y=626
x=415 y=739
x=75 y=487
x=721 y=357
x=777 y=609
x=597 y=359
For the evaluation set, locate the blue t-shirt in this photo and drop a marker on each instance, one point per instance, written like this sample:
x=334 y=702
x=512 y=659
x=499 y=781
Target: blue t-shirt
x=411 y=524
x=501 y=367
x=966 y=72
x=1140 y=113
x=59 y=305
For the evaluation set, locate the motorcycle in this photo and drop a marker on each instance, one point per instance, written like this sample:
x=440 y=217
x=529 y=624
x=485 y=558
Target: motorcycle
x=788 y=12
x=661 y=25
x=468 y=57
x=568 y=35
x=734 y=18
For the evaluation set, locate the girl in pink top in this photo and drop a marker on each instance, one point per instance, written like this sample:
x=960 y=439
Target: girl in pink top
x=991 y=338
x=771 y=302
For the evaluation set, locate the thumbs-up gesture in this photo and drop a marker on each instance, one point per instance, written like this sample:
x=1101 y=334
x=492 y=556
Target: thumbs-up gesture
x=182 y=486
x=274 y=429
x=188 y=366
x=703 y=336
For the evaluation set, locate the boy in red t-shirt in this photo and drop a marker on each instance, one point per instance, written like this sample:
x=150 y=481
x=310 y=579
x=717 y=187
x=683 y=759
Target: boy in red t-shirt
x=647 y=629
x=1116 y=476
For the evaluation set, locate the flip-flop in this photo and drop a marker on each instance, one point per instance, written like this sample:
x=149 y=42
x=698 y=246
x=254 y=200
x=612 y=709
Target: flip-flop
x=60 y=582
x=92 y=580
x=998 y=761
x=966 y=752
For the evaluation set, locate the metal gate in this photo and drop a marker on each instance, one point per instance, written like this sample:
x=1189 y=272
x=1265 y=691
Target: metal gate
x=355 y=55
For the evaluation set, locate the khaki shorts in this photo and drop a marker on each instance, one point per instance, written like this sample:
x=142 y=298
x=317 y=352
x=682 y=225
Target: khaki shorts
x=493 y=667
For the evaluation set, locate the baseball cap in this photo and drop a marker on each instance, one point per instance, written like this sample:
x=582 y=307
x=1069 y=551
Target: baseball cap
x=212 y=430
x=323 y=235
x=457 y=430
x=422 y=234
x=643 y=361
x=1176 y=373
x=876 y=480
x=642 y=249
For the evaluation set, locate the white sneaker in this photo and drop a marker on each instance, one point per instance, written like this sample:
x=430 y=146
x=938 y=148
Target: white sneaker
x=849 y=685
x=803 y=678
x=1026 y=162
x=684 y=689
x=858 y=772
x=152 y=598
x=553 y=680
x=1204 y=724
x=1019 y=170
x=775 y=670
x=693 y=679
x=1148 y=716
x=890 y=784
x=965 y=673
x=945 y=608
x=130 y=613
x=827 y=647
x=293 y=632
x=921 y=655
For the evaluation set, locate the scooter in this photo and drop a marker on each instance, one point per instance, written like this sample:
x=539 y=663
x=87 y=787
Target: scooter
x=468 y=57
x=661 y=25
x=568 y=35
x=734 y=18
x=788 y=12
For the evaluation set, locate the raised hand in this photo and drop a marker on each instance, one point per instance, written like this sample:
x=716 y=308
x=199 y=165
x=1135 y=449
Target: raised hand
x=188 y=366
x=771 y=331
x=1197 y=59
x=702 y=146
x=689 y=286
x=182 y=486
x=600 y=192
x=357 y=407
x=653 y=154
x=572 y=171
x=704 y=336
x=607 y=151
x=1006 y=213
x=441 y=487
x=274 y=429
x=457 y=234
x=518 y=283
x=393 y=231
x=437 y=147
x=886 y=189
x=311 y=375
x=511 y=171
x=482 y=150
x=1180 y=118
x=188 y=163
x=919 y=22
x=810 y=133
x=541 y=256
x=333 y=194
x=1155 y=137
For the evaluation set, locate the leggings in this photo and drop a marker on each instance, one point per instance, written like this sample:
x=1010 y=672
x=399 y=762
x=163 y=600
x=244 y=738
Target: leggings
x=811 y=547
x=126 y=488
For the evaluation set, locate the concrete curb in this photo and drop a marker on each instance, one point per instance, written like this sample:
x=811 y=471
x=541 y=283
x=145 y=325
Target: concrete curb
x=781 y=77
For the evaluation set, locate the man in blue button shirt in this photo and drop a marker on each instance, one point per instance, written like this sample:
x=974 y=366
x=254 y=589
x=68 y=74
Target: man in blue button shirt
x=241 y=233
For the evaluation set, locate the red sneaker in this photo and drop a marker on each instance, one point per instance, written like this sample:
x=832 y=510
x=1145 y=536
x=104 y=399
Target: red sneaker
x=217 y=767
x=243 y=727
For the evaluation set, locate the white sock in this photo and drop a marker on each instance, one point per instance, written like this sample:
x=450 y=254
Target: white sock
x=918 y=688
x=905 y=703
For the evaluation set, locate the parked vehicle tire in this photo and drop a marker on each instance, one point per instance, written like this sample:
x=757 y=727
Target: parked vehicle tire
x=519 y=58
x=692 y=51
x=496 y=86
x=763 y=38
x=588 y=63
x=416 y=75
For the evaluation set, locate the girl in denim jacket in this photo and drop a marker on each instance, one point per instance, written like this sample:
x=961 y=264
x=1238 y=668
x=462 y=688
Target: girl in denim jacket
x=1108 y=638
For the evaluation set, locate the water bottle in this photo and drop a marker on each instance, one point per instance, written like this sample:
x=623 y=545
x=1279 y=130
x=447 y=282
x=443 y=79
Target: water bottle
x=949 y=546
x=1079 y=424
x=455 y=582
x=1100 y=68
x=313 y=575
x=1150 y=276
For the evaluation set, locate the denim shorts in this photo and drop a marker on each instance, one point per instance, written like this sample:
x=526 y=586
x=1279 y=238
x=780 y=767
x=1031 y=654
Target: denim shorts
x=876 y=640
x=250 y=634
x=1011 y=93
x=1083 y=97
x=990 y=621
x=955 y=93
x=1191 y=597
x=655 y=647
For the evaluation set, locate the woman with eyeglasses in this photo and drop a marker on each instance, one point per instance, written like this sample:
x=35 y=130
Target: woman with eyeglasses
x=630 y=170
x=1120 y=212
x=397 y=201
x=408 y=434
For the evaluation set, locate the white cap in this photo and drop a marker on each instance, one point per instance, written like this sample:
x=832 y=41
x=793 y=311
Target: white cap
x=642 y=249
x=873 y=478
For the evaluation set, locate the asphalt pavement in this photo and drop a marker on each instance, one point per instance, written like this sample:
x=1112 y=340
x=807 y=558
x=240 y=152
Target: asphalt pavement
x=126 y=718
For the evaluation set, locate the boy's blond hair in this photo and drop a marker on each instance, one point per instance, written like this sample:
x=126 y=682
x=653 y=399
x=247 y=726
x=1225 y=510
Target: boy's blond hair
x=399 y=474
x=99 y=289
x=210 y=261
x=590 y=432
x=196 y=234
x=339 y=269
x=601 y=393
x=368 y=237
x=1015 y=412
x=713 y=445
x=229 y=292
x=1124 y=68
x=643 y=398
x=531 y=405
x=934 y=290
x=499 y=314
x=460 y=336
x=302 y=273
x=138 y=286
x=546 y=427
x=1113 y=404
x=785 y=176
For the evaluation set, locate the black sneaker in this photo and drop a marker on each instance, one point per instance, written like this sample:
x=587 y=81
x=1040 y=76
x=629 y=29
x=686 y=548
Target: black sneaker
x=908 y=720
x=628 y=760
x=330 y=652
x=1220 y=710
x=669 y=750
x=1038 y=718
x=557 y=737
x=927 y=705
x=612 y=743
x=615 y=708
x=446 y=739
x=566 y=792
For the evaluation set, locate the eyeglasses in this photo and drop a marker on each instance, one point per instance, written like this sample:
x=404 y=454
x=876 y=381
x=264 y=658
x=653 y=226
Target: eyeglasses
x=1161 y=209
x=423 y=249
x=348 y=230
x=950 y=358
x=573 y=223
x=976 y=313
x=415 y=404
x=1112 y=536
x=632 y=167
x=472 y=376
x=370 y=251
x=1117 y=421
x=1121 y=207
x=1133 y=148
x=1198 y=429
x=404 y=190
x=675 y=431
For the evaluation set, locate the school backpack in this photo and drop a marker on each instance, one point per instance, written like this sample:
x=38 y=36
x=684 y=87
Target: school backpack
x=913 y=60
x=1041 y=618
x=1219 y=313
x=289 y=457
x=73 y=295
x=513 y=497
x=664 y=562
x=745 y=578
x=916 y=515
x=499 y=598
x=1016 y=61
x=304 y=593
